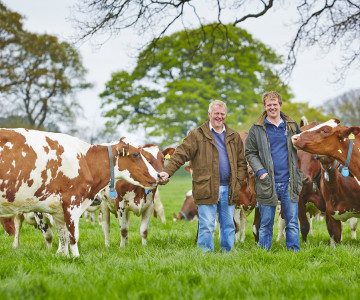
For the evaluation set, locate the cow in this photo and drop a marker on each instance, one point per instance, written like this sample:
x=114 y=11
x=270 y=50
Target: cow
x=42 y=221
x=341 y=195
x=59 y=174
x=8 y=224
x=133 y=198
x=246 y=203
x=331 y=138
x=189 y=210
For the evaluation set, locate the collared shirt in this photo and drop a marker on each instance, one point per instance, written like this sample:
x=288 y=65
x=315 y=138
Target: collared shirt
x=211 y=127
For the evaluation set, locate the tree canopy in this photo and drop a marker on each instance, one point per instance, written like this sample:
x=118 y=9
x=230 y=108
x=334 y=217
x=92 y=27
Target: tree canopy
x=345 y=107
x=39 y=74
x=325 y=23
x=170 y=89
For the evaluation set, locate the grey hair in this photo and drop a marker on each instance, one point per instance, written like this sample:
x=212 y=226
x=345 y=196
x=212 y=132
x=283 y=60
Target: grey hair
x=217 y=102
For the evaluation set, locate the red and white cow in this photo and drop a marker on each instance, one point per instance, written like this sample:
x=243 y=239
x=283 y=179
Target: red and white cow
x=133 y=198
x=331 y=138
x=342 y=198
x=8 y=224
x=59 y=174
x=189 y=210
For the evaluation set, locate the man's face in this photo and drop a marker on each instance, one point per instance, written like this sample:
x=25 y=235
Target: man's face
x=217 y=116
x=272 y=108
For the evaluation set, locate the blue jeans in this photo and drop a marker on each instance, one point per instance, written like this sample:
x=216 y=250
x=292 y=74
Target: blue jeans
x=290 y=212
x=207 y=215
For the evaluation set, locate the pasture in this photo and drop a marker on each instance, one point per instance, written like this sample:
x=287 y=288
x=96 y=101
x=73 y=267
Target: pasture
x=171 y=267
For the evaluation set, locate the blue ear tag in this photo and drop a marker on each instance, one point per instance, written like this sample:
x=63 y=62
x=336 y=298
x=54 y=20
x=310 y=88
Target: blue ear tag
x=147 y=192
x=345 y=172
x=113 y=193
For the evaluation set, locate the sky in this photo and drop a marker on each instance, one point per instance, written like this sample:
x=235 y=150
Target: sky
x=311 y=81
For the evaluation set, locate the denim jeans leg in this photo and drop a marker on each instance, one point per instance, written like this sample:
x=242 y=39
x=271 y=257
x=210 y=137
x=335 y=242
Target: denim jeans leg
x=290 y=212
x=226 y=220
x=267 y=214
x=207 y=214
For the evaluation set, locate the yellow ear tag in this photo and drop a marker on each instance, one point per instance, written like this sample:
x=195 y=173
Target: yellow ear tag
x=123 y=152
x=127 y=154
x=167 y=156
x=351 y=136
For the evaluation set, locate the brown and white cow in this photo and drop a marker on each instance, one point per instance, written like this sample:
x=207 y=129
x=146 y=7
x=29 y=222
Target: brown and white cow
x=342 y=198
x=189 y=210
x=59 y=174
x=331 y=138
x=131 y=198
x=8 y=224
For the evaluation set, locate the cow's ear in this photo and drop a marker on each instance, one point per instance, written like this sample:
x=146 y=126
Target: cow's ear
x=355 y=130
x=168 y=152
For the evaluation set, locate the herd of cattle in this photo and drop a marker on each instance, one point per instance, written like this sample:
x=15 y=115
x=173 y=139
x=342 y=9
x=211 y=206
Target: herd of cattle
x=51 y=179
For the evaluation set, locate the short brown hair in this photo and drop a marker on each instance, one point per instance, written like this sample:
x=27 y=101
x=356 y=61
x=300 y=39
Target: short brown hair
x=271 y=95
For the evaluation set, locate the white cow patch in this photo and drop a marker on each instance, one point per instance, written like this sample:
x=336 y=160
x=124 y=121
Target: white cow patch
x=330 y=123
x=9 y=145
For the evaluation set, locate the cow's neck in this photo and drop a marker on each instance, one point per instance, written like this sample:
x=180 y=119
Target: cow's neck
x=355 y=157
x=99 y=165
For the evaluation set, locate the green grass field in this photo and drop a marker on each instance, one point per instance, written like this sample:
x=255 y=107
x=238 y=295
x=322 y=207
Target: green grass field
x=171 y=267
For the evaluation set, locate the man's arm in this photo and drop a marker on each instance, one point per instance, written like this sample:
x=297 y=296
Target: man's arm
x=252 y=154
x=183 y=153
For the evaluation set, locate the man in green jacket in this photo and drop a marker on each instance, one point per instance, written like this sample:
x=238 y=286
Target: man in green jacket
x=219 y=167
x=273 y=158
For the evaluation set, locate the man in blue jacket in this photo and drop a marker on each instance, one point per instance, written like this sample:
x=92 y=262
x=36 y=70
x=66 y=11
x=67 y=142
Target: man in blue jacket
x=269 y=151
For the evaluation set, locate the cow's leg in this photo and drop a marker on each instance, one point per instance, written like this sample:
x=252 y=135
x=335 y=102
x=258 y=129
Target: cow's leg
x=18 y=220
x=310 y=220
x=256 y=224
x=105 y=222
x=144 y=226
x=237 y=224
x=63 y=235
x=159 y=207
x=303 y=220
x=281 y=228
x=44 y=225
x=353 y=224
x=243 y=218
x=334 y=229
x=124 y=220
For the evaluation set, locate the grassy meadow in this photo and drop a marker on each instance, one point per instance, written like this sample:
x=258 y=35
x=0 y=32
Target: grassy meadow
x=171 y=267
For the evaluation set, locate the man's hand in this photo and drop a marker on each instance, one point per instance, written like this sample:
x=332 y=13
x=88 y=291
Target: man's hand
x=164 y=177
x=262 y=176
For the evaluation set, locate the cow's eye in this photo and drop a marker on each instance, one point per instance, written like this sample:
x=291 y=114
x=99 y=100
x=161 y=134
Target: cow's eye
x=136 y=155
x=325 y=131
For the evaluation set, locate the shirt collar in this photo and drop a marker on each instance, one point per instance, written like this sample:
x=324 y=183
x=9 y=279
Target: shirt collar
x=211 y=128
x=281 y=124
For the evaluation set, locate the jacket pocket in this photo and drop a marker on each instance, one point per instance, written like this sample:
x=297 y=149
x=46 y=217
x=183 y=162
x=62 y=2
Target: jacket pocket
x=263 y=187
x=298 y=181
x=202 y=187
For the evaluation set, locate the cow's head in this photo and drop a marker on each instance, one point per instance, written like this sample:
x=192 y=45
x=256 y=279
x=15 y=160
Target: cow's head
x=155 y=156
x=132 y=166
x=325 y=138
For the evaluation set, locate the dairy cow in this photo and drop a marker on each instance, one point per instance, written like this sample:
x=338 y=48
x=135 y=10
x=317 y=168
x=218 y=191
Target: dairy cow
x=331 y=138
x=59 y=174
x=131 y=198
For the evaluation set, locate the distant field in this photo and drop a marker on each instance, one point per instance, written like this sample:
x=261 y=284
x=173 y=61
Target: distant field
x=171 y=267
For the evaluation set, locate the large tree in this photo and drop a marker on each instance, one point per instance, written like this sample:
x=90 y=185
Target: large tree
x=39 y=75
x=325 y=23
x=170 y=89
x=345 y=107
